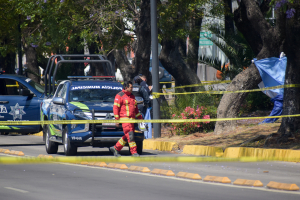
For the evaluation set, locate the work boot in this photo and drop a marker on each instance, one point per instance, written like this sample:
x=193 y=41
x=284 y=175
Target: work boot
x=114 y=151
x=135 y=155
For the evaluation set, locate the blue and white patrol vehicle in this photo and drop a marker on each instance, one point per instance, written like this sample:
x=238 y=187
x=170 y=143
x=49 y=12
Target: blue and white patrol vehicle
x=83 y=98
x=20 y=100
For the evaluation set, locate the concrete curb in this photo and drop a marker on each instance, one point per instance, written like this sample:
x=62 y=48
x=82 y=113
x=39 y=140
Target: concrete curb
x=203 y=150
x=159 y=145
x=230 y=152
x=280 y=154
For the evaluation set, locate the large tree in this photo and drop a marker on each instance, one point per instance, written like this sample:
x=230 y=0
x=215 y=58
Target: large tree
x=178 y=21
x=266 y=41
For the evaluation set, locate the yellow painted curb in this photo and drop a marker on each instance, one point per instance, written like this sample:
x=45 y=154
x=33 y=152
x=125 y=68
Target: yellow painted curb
x=18 y=153
x=255 y=183
x=100 y=164
x=111 y=165
x=188 y=175
x=12 y=152
x=90 y=163
x=158 y=145
x=44 y=156
x=163 y=172
x=121 y=166
x=282 y=186
x=279 y=154
x=3 y=150
x=139 y=169
x=38 y=134
x=217 y=179
x=203 y=150
x=7 y=151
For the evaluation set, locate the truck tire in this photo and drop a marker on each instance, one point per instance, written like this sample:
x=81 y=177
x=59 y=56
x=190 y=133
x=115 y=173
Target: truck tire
x=69 y=148
x=51 y=147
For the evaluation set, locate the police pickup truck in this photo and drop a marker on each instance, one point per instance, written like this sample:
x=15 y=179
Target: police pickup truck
x=83 y=98
x=20 y=100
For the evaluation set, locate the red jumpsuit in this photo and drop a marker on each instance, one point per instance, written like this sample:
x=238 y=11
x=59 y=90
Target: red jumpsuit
x=125 y=107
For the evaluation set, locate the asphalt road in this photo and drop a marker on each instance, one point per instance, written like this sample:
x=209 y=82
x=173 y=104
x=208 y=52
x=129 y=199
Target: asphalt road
x=70 y=181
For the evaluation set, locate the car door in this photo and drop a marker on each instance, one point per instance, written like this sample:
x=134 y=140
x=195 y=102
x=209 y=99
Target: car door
x=16 y=107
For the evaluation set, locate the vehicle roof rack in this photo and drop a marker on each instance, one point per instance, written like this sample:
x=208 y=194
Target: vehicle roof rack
x=62 y=59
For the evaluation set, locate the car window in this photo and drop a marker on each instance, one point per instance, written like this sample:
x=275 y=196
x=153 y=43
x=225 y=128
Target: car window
x=62 y=92
x=37 y=86
x=59 y=88
x=11 y=87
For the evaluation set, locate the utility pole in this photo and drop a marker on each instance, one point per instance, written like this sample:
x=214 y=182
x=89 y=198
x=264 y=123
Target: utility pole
x=155 y=79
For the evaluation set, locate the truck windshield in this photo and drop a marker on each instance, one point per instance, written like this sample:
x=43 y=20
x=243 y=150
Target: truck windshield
x=93 y=95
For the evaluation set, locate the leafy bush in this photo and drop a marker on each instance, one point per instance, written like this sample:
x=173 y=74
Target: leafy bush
x=192 y=127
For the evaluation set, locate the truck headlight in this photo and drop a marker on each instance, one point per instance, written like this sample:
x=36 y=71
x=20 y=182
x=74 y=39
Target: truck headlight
x=84 y=115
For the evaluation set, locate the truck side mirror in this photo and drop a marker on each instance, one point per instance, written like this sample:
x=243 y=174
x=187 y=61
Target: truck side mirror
x=58 y=100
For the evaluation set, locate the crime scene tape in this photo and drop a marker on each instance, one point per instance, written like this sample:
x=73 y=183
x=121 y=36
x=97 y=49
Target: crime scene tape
x=156 y=94
x=8 y=123
x=201 y=84
x=129 y=159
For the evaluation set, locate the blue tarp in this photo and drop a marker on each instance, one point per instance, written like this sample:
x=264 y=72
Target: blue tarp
x=148 y=134
x=272 y=72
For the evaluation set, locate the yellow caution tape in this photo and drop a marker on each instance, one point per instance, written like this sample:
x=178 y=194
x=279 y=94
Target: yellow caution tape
x=156 y=94
x=201 y=84
x=129 y=159
x=14 y=123
x=165 y=82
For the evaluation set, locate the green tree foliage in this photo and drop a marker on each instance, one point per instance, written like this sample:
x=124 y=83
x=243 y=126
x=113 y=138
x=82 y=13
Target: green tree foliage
x=235 y=47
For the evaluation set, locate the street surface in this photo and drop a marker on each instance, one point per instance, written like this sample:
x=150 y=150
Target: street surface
x=73 y=181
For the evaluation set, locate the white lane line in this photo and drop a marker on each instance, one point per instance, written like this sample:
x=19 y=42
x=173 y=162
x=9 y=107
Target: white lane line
x=15 y=189
x=189 y=180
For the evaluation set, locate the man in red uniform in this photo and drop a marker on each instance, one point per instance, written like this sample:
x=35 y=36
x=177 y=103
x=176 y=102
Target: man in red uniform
x=125 y=107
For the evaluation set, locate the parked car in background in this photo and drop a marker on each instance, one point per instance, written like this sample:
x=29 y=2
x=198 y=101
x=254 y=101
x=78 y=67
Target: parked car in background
x=163 y=74
x=20 y=100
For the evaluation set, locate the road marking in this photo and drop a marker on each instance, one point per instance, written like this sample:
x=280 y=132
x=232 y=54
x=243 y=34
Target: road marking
x=189 y=180
x=15 y=189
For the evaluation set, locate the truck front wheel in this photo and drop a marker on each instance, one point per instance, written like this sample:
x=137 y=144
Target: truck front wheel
x=51 y=147
x=69 y=148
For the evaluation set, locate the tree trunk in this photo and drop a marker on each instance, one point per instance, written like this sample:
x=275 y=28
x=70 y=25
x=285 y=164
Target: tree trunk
x=143 y=42
x=291 y=102
x=31 y=62
x=193 y=46
x=127 y=70
x=229 y=26
x=171 y=58
x=272 y=42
